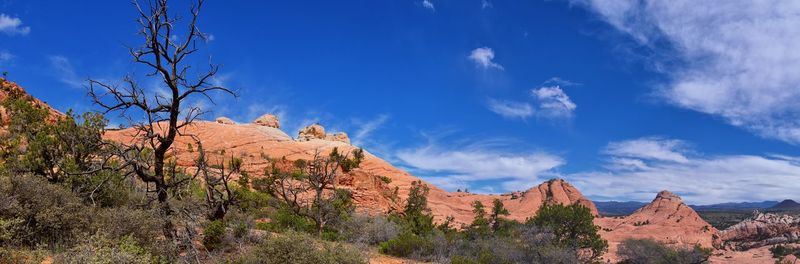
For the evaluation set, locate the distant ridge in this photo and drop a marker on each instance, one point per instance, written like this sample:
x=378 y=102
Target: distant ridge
x=618 y=208
x=735 y=206
x=786 y=205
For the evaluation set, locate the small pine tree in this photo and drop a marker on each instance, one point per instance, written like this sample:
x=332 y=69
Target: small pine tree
x=498 y=210
x=417 y=214
x=480 y=224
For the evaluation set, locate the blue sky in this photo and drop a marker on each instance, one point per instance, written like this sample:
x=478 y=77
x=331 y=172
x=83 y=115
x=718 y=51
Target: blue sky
x=623 y=98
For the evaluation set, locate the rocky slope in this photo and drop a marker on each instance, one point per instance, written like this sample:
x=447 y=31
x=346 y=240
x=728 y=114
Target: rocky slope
x=763 y=229
x=10 y=89
x=665 y=219
x=373 y=185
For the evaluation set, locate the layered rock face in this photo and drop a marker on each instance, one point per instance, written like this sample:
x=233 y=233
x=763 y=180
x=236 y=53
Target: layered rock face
x=666 y=219
x=762 y=229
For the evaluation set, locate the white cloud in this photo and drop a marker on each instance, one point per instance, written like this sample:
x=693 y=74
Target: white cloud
x=650 y=148
x=365 y=129
x=558 y=81
x=64 y=71
x=553 y=102
x=510 y=109
x=737 y=59
x=483 y=57
x=460 y=167
x=485 y=4
x=5 y=57
x=13 y=26
x=700 y=181
x=428 y=4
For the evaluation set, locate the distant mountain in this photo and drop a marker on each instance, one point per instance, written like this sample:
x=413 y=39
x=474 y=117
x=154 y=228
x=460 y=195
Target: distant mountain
x=615 y=208
x=735 y=206
x=785 y=206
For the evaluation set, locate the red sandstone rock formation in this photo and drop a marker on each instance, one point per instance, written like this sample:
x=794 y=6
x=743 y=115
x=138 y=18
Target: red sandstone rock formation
x=762 y=230
x=268 y=120
x=256 y=143
x=666 y=219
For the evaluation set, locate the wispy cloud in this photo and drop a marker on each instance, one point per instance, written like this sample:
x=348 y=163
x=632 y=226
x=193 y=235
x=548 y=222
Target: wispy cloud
x=428 y=4
x=365 y=129
x=485 y=4
x=738 y=58
x=641 y=167
x=13 y=26
x=650 y=148
x=558 y=81
x=484 y=58
x=548 y=102
x=553 y=102
x=63 y=70
x=510 y=109
x=5 y=57
x=459 y=167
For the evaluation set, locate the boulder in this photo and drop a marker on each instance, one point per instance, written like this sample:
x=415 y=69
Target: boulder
x=268 y=120
x=314 y=131
x=225 y=121
x=339 y=136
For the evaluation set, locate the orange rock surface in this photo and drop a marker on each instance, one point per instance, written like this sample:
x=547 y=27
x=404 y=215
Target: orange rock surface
x=666 y=219
x=256 y=143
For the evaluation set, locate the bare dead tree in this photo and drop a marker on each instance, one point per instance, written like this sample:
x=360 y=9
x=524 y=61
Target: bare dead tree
x=159 y=119
x=304 y=187
x=219 y=196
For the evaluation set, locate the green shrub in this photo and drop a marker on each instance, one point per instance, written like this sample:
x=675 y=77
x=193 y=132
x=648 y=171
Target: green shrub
x=385 y=179
x=255 y=203
x=241 y=224
x=17 y=256
x=299 y=248
x=100 y=250
x=36 y=212
x=369 y=230
x=115 y=223
x=573 y=226
x=406 y=244
x=214 y=235
x=780 y=251
x=633 y=251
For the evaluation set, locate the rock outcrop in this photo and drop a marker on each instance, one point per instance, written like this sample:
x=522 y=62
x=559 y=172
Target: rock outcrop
x=762 y=229
x=225 y=121
x=313 y=131
x=268 y=120
x=555 y=191
x=316 y=131
x=666 y=219
x=338 y=136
